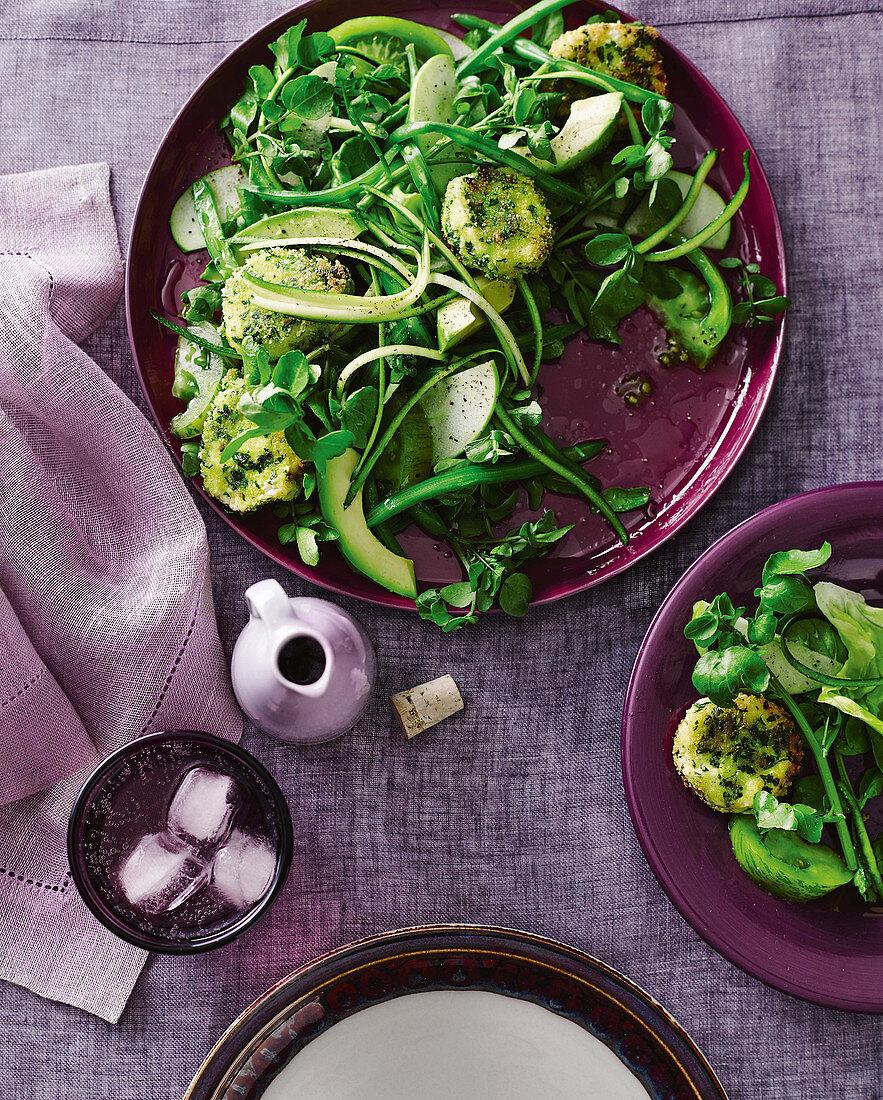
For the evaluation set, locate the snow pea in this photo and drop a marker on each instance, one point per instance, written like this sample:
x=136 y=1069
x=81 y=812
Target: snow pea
x=424 y=39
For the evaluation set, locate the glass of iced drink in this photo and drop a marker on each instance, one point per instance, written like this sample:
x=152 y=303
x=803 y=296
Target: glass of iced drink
x=179 y=842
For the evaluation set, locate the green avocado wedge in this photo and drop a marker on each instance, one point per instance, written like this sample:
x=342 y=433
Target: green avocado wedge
x=357 y=544
x=784 y=864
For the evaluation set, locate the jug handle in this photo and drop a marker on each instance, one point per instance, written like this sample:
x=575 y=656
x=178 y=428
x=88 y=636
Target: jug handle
x=268 y=601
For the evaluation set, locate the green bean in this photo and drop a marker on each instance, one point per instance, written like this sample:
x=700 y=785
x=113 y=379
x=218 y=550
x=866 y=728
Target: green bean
x=713 y=226
x=537 y=325
x=331 y=196
x=545 y=451
x=369 y=462
x=492 y=151
x=531 y=51
x=503 y=35
x=719 y=318
x=825 y=773
x=848 y=794
x=422 y=181
x=430 y=520
x=469 y=475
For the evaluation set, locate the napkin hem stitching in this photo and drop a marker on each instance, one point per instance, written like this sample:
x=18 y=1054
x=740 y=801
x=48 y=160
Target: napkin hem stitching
x=175 y=664
x=21 y=691
x=19 y=877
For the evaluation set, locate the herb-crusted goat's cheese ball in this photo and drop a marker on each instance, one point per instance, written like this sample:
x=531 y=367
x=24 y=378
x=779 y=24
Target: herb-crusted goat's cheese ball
x=727 y=755
x=291 y=267
x=264 y=469
x=497 y=222
x=627 y=51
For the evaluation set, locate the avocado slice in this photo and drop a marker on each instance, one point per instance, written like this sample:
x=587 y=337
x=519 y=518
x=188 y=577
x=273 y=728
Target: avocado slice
x=459 y=319
x=358 y=545
x=688 y=320
x=588 y=130
x=784 y=864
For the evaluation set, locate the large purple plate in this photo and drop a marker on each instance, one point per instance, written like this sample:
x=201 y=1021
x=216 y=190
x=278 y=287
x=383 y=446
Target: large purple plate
x=822 y=951
x=527 y=973
x=682 y=442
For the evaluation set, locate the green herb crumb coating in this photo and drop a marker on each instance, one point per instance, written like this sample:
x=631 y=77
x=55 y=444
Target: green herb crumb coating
x=278 y=332
x=497 y=222
x=264 y=469
x=627 y=51
x=727 y=755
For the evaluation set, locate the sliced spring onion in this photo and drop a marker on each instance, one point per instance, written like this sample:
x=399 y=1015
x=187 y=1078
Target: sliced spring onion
x=340 y=246
x=452 y=259
x=215 y=349
x=313 y=305
x=381 y=353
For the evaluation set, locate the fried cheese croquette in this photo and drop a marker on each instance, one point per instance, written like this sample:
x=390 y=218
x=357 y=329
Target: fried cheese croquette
x=727 y=755
x=264 y=469
x=291 y=267
x=497 y=222
x=627 y=51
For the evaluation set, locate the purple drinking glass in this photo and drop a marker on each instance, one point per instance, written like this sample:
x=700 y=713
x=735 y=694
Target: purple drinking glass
x=179 y=842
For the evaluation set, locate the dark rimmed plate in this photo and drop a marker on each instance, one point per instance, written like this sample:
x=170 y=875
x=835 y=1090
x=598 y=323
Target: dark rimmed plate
x=824 y=951
x=542 y=976
x=682 y=441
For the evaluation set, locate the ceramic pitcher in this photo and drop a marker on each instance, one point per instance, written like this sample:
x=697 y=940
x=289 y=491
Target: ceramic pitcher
x=302 y=668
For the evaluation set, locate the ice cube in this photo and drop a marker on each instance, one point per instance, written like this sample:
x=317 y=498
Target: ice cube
x=243 y=869
x=161 y=873
x=202 y=807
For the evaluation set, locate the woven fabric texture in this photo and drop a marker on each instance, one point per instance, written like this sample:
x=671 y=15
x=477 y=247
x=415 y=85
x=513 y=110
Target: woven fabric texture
x=107 y=628
x=513 y=811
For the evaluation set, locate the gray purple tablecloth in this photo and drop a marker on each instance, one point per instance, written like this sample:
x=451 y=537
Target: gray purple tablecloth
x=512 y=812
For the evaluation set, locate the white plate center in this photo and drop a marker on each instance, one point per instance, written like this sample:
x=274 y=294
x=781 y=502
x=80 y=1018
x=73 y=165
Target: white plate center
x=447 y=1044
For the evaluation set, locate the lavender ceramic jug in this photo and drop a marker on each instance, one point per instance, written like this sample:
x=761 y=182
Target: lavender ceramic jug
x=302 y=668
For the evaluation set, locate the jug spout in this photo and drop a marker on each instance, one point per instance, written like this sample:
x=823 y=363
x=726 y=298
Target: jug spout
x=268 y=602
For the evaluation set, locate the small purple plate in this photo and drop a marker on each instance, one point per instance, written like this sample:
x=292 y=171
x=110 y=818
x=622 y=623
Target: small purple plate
x=827 y=951
x=454 y=959
x=682 y=441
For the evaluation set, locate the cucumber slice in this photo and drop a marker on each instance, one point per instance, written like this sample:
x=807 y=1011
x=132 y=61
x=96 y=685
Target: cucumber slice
x=358 y=545
x=460 y=318
x=588 y=129
x=198 y=374
x=183 y=222
x=432 y=96
x=706 y=208
x=459 y=408
x=457 y=46
x=408 y=458
x=304 y=221
x=784 y=864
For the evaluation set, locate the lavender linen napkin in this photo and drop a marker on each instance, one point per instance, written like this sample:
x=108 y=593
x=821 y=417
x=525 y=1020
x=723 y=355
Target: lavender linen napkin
x=107 y=627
